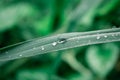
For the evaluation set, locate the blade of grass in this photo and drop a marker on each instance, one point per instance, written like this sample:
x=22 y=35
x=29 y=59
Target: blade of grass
x=58 y=42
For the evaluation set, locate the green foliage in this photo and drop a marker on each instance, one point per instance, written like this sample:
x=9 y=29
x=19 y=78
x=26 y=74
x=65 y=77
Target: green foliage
x=10 y=16
x=102 y=59
x=35 y=74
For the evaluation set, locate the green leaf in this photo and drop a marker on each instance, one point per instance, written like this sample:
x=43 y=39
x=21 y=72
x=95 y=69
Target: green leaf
x=10 y=15
x=102 y=58
x=107 y=6
x=58 y=42
x=43 y=25
x=40 y=73
x=32 y=74
x=79 y=77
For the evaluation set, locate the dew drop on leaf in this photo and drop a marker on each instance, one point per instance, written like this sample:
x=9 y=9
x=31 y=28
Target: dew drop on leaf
x=54 y=43
x=42 y=48
x=105 y=36
x=62 y=40
x=98 y=37
x=20 y=55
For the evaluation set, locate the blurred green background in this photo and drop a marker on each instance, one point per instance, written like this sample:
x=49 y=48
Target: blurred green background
x=22 y=20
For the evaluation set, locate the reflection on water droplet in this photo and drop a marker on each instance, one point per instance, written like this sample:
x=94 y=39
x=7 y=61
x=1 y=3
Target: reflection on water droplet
x=42 y=48
x=54 y=43
x=20 y=55
x=105 y=36
x=98 y=37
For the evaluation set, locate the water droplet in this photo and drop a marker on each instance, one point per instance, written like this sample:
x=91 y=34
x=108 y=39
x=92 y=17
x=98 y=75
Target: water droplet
x=20 y=55
x=98 y=37
x=54 y=43
x=42 y=48
x=62 y=40
x=105 y=36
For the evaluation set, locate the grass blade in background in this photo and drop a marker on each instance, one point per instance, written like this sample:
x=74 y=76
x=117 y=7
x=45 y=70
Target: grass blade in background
x=103 y=58
x=16 y=13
